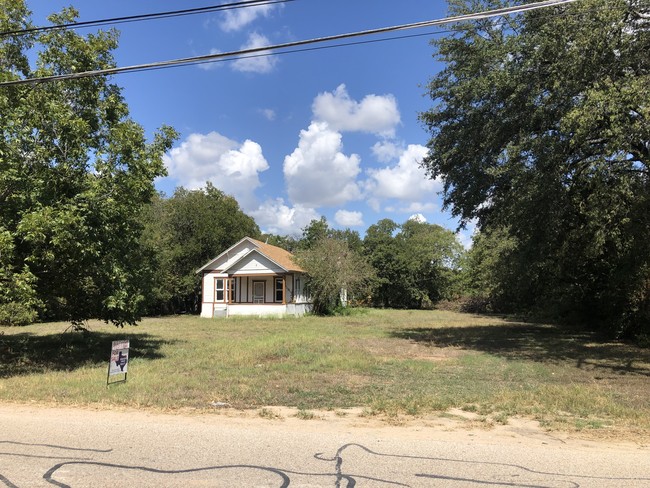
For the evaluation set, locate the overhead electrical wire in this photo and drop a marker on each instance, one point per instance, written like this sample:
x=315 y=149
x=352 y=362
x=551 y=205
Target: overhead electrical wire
x=284 y=46
x=142 y=17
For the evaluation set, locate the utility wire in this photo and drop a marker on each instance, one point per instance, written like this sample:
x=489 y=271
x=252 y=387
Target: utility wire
x=267 y=49
x=353 y=43
x=141 y=17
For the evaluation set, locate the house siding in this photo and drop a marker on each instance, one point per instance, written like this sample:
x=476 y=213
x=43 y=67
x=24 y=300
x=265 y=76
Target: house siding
x=246 y=268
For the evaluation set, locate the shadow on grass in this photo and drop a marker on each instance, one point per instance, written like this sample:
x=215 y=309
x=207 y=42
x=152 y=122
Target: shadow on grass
x=27 y=353
x=537 y=342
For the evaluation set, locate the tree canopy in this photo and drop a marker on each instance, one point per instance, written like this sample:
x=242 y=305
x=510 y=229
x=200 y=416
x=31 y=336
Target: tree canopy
x=75 y=173
x=417 y=263
x=333 y=270
x=541 y=131
x=182 y=233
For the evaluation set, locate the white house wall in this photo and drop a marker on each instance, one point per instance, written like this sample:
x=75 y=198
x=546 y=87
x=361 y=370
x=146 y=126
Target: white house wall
x=297 y=301
x=208 y=285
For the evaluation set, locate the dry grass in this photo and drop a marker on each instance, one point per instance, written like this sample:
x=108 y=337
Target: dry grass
x=386 y=362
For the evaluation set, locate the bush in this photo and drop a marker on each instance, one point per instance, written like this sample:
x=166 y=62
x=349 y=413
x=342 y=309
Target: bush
x=16 y=314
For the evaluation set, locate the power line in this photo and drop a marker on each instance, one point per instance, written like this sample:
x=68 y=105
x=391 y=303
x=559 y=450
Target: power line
x=141 y=17
x=265 y=50
x=355 y=43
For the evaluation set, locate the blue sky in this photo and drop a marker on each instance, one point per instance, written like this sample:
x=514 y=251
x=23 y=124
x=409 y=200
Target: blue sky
x=330 y=132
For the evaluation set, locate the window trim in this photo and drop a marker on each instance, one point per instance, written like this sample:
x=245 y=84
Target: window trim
x=280 y=290
x=217 y=290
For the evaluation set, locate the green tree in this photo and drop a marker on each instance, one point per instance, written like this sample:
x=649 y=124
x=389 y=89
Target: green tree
x=314 y=232
x=75 y=172
x=429 y=262
x=183 y=233
x=541 y=129
x=380 y=248
x=288 y=243
x=332 y=267
x=488 y=270
x=416 y=263
x=317 y=230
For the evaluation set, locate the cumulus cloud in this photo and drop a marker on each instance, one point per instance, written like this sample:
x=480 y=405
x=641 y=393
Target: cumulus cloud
x=375 y=114
x=405 y=180
x=418 y=218
x=275 y=217
x=347 y=218
x=317 y=172
x=260 y=62
x=237 y=19
x=230 y=166
x=413 y=207
x=387 y=151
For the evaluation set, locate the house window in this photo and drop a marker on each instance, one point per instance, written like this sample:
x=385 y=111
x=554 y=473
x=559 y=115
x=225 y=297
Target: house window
x=279 y=289
x=231 y=283
x=218 y=290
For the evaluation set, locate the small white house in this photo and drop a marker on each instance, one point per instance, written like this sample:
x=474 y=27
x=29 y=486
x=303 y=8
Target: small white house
x=253 y=278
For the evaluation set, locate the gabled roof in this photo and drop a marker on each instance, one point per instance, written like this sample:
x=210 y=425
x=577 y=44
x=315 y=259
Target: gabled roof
x=279 y=256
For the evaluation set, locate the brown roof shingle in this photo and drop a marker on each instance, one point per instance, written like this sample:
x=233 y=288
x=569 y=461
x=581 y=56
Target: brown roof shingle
x=282 y=257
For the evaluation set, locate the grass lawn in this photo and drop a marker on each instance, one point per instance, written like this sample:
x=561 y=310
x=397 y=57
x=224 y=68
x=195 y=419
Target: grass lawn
x=388 y=362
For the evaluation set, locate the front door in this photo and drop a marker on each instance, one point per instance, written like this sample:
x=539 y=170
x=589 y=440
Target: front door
x=258 y=291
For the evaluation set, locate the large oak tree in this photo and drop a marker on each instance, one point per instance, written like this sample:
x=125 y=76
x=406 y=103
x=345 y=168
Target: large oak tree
x=541 y=131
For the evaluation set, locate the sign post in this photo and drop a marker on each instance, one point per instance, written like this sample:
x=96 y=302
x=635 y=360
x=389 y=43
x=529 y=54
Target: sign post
x=119 y=362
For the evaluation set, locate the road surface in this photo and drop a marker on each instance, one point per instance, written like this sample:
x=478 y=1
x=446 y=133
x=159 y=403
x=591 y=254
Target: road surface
x=66 y=447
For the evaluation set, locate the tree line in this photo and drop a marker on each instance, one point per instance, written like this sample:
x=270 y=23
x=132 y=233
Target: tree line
x=412 y=265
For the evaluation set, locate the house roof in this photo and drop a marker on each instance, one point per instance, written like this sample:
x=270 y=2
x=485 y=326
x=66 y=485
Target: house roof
x=279 y=256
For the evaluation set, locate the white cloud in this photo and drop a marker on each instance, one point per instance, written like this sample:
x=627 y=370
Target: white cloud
x=317 y=173
x=236 y=19
x=418 y=218
x=374 y=204
x=414 y=207
x=387 y=151
x=375 y=114
x=260 y=62
x=347 y=218
x=275 y=217
x=232 y=167
x=268 y=113
x=406 y=180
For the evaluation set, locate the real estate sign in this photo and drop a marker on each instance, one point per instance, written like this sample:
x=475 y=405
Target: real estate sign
x=119 y=358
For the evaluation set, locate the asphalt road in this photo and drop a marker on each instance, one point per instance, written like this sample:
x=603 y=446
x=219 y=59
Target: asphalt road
x=44 y=447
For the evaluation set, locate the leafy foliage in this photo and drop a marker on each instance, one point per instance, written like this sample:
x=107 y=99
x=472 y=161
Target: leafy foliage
x=333 y=268
x=541 y=131
x=318 y=230
x=183 y=233
x=75 y=172
x=417 y=263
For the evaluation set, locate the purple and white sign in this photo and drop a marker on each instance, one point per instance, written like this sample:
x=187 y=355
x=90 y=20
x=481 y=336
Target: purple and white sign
x=119 y=358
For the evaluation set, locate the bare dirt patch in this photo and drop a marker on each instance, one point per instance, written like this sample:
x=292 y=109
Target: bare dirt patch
x=391 y=348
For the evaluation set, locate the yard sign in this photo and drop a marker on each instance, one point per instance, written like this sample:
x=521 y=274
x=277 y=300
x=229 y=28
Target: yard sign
x=119 y=359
